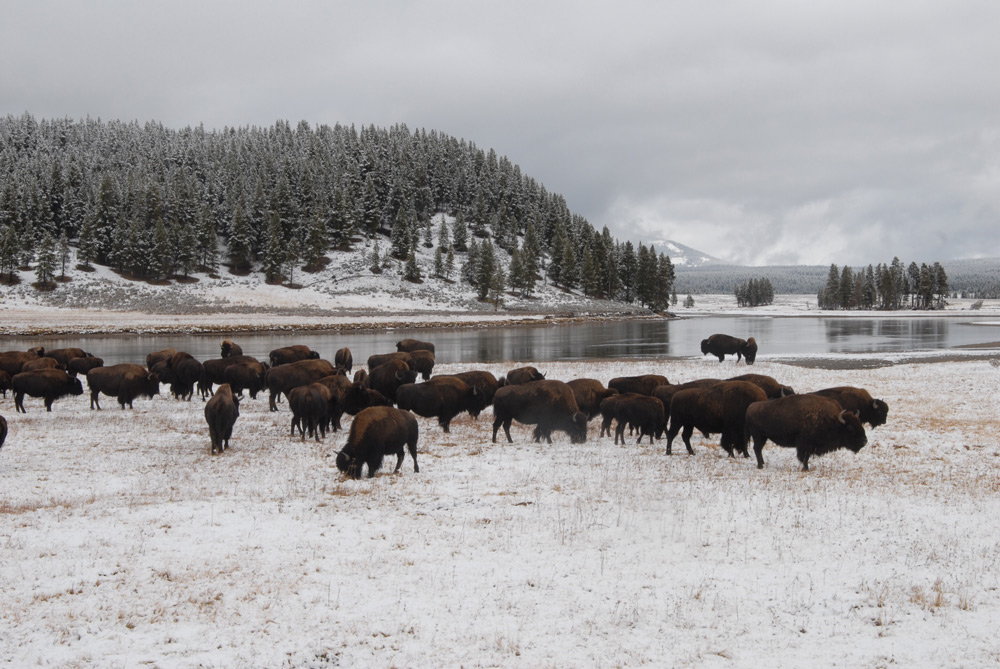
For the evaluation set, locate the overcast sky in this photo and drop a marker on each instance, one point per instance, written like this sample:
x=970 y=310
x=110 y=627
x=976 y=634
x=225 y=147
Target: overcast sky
x=761 y=132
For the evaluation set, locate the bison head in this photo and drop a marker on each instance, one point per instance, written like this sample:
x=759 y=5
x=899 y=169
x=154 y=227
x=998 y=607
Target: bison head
x=879 y=413
x=578 y=434
x=855 y=431
x=704 y=347
x=750 y=350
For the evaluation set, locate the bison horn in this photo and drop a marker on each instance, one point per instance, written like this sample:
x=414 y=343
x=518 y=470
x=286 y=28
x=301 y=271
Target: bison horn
x=840 y=417
x=874 y=404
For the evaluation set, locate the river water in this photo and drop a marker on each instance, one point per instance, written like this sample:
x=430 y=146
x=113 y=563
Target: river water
x=676 y=338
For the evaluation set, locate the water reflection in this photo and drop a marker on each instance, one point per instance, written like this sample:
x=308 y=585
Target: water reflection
x=622 y=339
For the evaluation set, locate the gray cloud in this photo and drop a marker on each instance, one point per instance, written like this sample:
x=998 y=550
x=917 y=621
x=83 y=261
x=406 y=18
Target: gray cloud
x=760 y=132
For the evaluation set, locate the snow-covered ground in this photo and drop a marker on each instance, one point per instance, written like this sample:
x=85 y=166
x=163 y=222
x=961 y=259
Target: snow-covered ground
x=125 y=543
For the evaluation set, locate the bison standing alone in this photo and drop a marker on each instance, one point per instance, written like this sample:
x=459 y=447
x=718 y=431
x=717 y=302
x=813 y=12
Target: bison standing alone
x=811 y=424
x=375 y=433
x=720 y=345
x=221 y=412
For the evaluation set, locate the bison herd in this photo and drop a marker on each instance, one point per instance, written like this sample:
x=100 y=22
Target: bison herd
x=385 y=398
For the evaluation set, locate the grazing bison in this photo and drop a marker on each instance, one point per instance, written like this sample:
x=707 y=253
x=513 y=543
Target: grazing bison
x=411 y=345
x=771 y=388
x=343 y=358
x=221 y=412
x=42 y=363
x=718 y=408
x=3 y=430
x=310 y=408
x=549 y=405
x=387 y=378
x=12 y=361
x=443 y=397
x=380 y=359
x=589 y=393
x=375 y=433
x=642 y=384
x=289 y=354
x=125 y=381
x=869 y=410
x=49 y=384
x=64 y=355
x=4 y=383
x=720 y=345
x=182 y=373
x=811 y=424
x=230 y=348
x=247 y=375
x=645 y=413
x=83 y=365
x=523 y=375
x=282 y=378
x=423 y=363
x=163 y=355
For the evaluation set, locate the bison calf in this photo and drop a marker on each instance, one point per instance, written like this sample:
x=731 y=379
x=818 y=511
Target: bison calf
x=375 y=433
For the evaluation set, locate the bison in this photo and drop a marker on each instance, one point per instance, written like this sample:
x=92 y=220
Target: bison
x=375 y=433
x=443 y=397
x=163 y=355
x=42 y=363
x=50 y=384
x=387 y=378
x=811 y=424
x=215 y=371
x=549 y=405
x=718 y=408
x=645 y=413
x=4 y=383
x=289 y=354
x=523 y=375
x=310 y=409
x=83 y=365
x=282 y=378
x=64 y=355
x=666 y=392
x=361 y=397
x=182 y=373
x=221 y=412
x=229 y=348
x=343 y=358
x=379 y=359
x=589 y=393
x=12 y=361
x=642 y=384
x=482 y=379
x=869 y=410
x=247 y=375
x=721 y=345
x=423 y=363
x=124 y=381
x=411 y=345
x=3 y=430
x=771 y=388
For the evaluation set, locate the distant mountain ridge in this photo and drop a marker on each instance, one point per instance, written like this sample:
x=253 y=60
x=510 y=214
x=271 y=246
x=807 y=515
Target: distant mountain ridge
x=684 y=256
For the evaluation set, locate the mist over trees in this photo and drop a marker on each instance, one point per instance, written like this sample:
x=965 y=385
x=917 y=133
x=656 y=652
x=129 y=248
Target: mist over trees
x=159 y=204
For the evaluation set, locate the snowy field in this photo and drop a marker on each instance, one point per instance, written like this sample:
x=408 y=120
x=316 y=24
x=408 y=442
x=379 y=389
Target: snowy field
x=125 y=543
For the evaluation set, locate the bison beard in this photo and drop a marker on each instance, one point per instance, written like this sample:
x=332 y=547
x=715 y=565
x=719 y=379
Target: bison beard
x=375 y=433
x=810 y=424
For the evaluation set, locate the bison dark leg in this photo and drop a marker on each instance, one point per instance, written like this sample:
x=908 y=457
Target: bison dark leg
x=686 y=436
x=721 y=356
x=671 y=433
x=758 y=450
x=497 y=422
x=412 y=446
x=803 y=456
x=19 y=403
x=606 y=427
x=94 y=401
x=271 y=401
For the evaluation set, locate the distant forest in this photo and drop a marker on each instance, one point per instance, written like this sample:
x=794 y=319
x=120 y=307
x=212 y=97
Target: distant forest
x=158 y=204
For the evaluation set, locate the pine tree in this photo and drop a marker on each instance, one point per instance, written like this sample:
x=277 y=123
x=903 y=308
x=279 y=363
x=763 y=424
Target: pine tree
x=400 y=240
x=240 y=244
x=187 y=248
x=411 y=272
x=438 y=262
x=444 y=239
x=588 y=274
x=64 y=252
x=293 y=254
x=460 y=234
x=449 y=263
x=274 y=251
x=208 y=243
x=689 y=301
x=428 y=236
x=8 y=251
x=45 y=266
x=845 y=289
x=316 y=242
x=470 y=270
x=375 y=261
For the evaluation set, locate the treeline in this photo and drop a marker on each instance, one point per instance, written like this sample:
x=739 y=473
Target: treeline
x=155 y=203
x=754 y=293
x=885 y=287
x=720 y=279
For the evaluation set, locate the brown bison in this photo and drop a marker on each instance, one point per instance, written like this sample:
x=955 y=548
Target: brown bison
x=642 y=384
x=342 y=393
x=388 y=377
x=771 y=388
x=361 y=397
x=310 y=409
x=64 y=355
x=375 y=433
x=4 y=383
x=869 y=410
x=182 y=372
x=379 y=359
x=49 y=384
x=361 y=376
x=609 y=406
x=3 y=430
x=42 y=363
x=289 y=354
x=523 y=375
x=163 y=355
x=215 y=371
x=221 y=412
x=548 y=405
x=645 y=413
x=443 y=397
x=718 y=408
x=12 y=361
x=720 y=345
x=423 y=363
x=589 y=393
x=482 y=379
x=247 y=375
x=83 y=365
x=124 y=381
x=811 y=424
x=282 y=378
x=666 y=392
x=411 y=345
x=229 y=348
x=343 y=358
